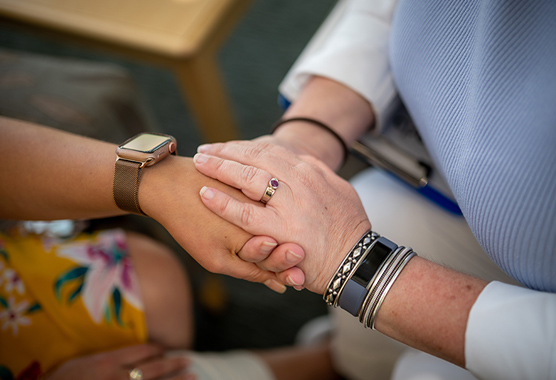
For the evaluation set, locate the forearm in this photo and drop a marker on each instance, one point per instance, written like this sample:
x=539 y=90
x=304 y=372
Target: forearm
x=48 y=174
x=51 y=174
x=333 y=104
x=428 y=307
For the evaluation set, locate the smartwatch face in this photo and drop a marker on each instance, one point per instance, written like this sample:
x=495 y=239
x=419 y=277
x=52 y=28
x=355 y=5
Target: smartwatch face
x=145 y=142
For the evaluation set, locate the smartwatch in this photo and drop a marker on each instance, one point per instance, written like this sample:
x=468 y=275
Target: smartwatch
x=356 y=288
x=135 y=154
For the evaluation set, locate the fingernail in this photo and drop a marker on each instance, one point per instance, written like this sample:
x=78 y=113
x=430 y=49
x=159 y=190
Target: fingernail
x=207 y=193
x=200 y=158
x=292 y=257
x=203 y=148
x=278 y=287
x=299 y=288
x=268 y=246
x=292 y=282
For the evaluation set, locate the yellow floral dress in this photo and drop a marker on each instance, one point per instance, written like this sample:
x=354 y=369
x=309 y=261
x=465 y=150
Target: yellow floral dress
x=64 y=298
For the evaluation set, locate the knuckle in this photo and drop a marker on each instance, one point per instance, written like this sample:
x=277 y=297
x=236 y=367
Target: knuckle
x=253 y=275
x=267 y=145
x=220 y=165
x=256 y=152
x=307 y=172
x=246 y=216
x=216 y=266
x=248 y=174
x=224 y=206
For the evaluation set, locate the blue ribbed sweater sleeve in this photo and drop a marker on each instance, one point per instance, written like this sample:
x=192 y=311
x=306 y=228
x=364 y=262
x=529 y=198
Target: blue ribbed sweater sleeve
x=479 y=80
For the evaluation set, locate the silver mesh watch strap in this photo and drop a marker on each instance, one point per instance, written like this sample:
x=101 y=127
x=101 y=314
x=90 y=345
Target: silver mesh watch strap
x=127 y=175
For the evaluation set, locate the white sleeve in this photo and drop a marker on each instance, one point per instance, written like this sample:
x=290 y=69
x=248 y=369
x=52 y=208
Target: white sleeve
x=511 y=334
x=350 y=47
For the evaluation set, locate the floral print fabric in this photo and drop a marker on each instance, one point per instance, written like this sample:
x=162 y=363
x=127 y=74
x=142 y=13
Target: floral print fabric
x=61 y=299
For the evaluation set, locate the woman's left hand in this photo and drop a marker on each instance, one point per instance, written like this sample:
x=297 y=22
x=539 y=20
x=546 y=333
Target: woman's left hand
x=312 y=206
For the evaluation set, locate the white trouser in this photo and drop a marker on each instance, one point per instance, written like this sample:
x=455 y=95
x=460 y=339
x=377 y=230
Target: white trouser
x=404 y=216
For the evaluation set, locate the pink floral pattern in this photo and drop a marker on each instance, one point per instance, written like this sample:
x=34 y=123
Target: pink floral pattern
x=108 y=273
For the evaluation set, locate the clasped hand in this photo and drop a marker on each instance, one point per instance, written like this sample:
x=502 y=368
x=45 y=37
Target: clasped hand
x=312 y=207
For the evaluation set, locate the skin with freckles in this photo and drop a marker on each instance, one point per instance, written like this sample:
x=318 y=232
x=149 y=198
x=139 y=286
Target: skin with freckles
x=427 y=306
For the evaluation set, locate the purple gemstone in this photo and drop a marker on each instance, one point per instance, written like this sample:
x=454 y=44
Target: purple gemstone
x=274 y=183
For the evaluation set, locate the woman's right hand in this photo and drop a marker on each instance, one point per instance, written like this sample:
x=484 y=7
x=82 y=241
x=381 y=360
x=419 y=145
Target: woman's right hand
x=312 y=207
x=117 y=364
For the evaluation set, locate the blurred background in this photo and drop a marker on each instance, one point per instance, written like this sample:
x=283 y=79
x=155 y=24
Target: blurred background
x=253 y=59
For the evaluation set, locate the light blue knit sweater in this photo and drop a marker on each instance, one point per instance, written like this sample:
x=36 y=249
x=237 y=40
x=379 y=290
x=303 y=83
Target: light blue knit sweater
x=479 y=80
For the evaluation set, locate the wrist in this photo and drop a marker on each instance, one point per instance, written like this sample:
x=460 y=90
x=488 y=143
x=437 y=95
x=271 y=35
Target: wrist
x=365 y=276
x=305 y=138
x=160 y=183
x=334 y=104
x=337 y=255
x=135 y=156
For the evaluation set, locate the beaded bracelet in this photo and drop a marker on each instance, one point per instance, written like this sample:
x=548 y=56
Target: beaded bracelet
x=318 y=124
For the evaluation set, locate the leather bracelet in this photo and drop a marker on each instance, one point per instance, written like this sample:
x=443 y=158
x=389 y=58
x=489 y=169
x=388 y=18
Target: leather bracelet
x=355 y=290
x=317 y=123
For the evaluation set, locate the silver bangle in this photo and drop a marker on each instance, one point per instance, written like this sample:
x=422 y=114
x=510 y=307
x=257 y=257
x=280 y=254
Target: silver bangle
x=378 y=291
x=347 y=268
x=409 y=256
x=378 y=286
x=373 y=285
x=395 y=267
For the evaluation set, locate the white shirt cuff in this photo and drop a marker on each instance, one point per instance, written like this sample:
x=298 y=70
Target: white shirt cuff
x=511 y=334
x=351 y=47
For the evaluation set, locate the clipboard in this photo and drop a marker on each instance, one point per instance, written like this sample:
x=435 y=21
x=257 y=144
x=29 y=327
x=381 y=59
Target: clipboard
x=399 y=150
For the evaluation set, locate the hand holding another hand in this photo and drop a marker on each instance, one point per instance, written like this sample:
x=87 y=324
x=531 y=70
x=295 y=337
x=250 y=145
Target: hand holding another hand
x=312 y=206
x=169 y=194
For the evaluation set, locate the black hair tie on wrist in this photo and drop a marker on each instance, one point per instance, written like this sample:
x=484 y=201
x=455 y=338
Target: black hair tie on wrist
x=318 y=124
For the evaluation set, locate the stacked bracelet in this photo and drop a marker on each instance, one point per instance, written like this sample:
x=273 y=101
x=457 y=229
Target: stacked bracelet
x=355 y=289
x=366 y=275
x=317 y=123
x=347 y=267
x=391 y=269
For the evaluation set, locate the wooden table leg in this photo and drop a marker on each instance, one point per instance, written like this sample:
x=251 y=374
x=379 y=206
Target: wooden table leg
x=201 y=83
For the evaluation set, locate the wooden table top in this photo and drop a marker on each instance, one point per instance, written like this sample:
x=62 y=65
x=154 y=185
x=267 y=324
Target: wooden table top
x=171 y=27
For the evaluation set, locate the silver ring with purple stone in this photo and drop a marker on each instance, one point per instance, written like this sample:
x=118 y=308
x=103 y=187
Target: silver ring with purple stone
x=270 y=190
